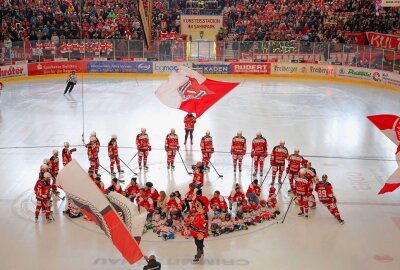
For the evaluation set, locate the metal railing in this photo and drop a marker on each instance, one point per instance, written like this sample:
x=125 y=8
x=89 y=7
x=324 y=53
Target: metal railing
x=202 y=50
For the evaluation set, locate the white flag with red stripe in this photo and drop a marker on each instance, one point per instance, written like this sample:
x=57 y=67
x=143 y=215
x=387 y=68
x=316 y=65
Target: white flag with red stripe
x=390 y=126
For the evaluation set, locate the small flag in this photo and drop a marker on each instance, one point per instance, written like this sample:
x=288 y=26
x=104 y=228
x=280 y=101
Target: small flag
x=190 y=91
x=390 y=126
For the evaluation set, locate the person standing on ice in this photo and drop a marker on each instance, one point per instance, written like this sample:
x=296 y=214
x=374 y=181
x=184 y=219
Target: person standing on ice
x=278 y=157
x=113 y=155
x=189 y=121
x=67 y=153
x=199 y=226
x=143 y=147
x=207 y=149
x=238 y=150
x=259 y=152
x=171 y=147
x=71 y=82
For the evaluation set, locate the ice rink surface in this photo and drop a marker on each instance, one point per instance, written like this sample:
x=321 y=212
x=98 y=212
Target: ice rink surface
x=326 y=120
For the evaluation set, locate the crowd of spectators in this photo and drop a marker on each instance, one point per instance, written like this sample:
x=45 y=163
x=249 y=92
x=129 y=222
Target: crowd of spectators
x=247 y=20
x=307 y=20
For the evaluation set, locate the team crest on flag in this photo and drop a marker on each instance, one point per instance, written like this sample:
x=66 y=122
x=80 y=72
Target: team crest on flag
x=390 y=126
x=190 y=91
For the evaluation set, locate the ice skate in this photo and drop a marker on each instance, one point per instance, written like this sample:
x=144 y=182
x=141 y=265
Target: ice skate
x=341 y=221
x=173 y=167
x=300 y=214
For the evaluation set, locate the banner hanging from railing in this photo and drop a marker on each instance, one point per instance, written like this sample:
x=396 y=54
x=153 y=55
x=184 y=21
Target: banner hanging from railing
x=384 y=41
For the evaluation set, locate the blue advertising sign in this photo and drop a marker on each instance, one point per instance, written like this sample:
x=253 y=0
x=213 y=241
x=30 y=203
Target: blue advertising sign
x=119 y=67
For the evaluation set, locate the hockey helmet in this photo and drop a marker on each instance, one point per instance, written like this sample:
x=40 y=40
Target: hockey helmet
x=46 y=161
x=239 y=133
x=44 y=167
x=296 y=151
x=55 y=152
x=254 y=206
x=143 y=130
x=92 y=138
x=172 y=130
x=47 y=175
x=302 y=171
x=66 y=144
x=114 y=136
x=272 y=189
x=93 y=133
x=282 y=142
x=263 y=202
x=259 y=134
x=207 y=133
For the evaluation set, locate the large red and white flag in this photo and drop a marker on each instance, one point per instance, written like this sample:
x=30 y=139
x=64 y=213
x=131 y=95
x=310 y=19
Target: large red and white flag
x=85 y=194
x=189 y=91
x=390 y=126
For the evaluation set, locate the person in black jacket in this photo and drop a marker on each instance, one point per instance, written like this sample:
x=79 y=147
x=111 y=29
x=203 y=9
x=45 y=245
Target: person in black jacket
x=152 y=264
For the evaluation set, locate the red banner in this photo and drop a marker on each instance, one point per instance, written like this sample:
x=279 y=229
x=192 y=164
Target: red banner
x=384 y=41
x=251 y=68
x=355 y=37
x=56 y=67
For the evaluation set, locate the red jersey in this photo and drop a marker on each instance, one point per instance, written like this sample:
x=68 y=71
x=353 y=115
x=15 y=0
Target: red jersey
x=198 y=178
x=199 y=225
x=295 y=163
x=91 y=150
x=279 y=155
x=325 y=191
x=147 y=204
x=173 y=205
x=190 y=195
x=302 y=186
x=311 y=175
x=259 y=146
x=42 y=190
x=171 y=142
x=164 y=35
x=189 y=121
x=152 y=193
x=206 y=144
x=132 y=190
x=236 y=196
x=238 y=145
x=142 y=142
x=54 y=165
x=256 y=189
x=173 y=35
x=112 y=149
x=117 y=188
x=38 y=187
x=67 y=155
x=218 y=202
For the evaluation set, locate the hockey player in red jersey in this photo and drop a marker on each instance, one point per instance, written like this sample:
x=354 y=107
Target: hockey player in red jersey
x=67 y=153
x=42 y=192
x=113 y=155
x=189 y=121
x=279 y=155
x=171 y=147
x=311 y=176
x=238 y=150
x=93 y=154
x=198 y=174
x=207 y=149
x=97 y=142
x=54 y=165
x=43 y=169
x=143 y=147
x=259 y=152
x=236 y=196
x=295 y=161
x=302 y=187
x=327 y=198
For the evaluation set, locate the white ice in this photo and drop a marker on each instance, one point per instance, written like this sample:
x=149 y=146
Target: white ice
x=326 y=120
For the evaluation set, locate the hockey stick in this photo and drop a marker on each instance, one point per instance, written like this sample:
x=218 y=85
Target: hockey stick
x=190 y=173
x=133 y=157
x=280 y=185
x=127 y=166
x=287 y=210
x=220 y=175
x=265 y=177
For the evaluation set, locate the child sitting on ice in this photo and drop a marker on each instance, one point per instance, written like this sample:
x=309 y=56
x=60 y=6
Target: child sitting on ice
x=273 y=206
x=156 y=219
x=215 y=225
x=239 y=222
x=177 y=221
x=255 y=214
x=227 y=224
x=247 y=215
x=167 y=231
x=265 y=212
